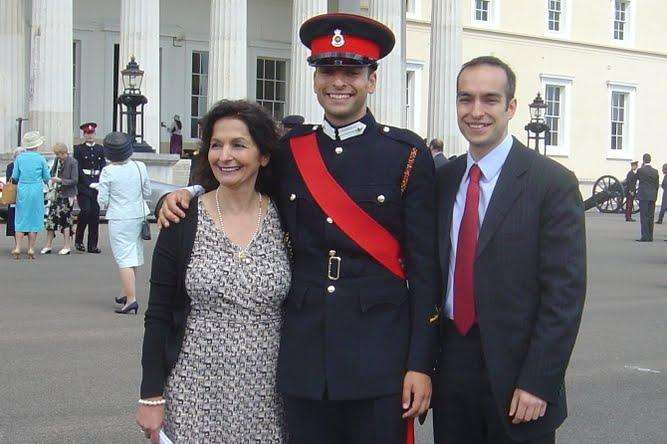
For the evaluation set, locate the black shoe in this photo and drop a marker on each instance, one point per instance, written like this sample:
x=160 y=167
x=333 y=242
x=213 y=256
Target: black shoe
x=631 y=220
x=659 y=222
x=94 y=250
x=134 y=306
x=643 y=240
x=80 y=247
x=121 y=300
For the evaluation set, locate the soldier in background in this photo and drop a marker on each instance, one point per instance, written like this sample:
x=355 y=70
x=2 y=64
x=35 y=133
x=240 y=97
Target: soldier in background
x=437 y=151
x=90 y=157
x=630 y=190
x=288 y=123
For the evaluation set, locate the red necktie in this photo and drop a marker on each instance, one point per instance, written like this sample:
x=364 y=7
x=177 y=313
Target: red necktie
x=464 y=289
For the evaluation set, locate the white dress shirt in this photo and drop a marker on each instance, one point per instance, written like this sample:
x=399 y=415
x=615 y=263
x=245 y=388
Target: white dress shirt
x=490 y=165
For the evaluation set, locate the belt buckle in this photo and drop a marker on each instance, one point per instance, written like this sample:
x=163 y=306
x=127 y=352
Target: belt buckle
x=334 y=264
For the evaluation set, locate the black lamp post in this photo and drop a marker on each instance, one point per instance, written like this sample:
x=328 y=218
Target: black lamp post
x=133 y=99
x=537 y=125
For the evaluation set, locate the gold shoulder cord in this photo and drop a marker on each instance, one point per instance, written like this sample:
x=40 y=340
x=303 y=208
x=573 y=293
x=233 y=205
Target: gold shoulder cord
x=408 y=170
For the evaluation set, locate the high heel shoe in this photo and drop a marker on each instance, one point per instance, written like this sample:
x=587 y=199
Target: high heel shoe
x=31 y=255
x=134 y=306
x=121 y=300
x=16 y=254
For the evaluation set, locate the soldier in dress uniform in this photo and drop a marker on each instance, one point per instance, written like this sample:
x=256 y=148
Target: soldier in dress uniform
x=630 y=190
x=356 y=198
x=90 y=157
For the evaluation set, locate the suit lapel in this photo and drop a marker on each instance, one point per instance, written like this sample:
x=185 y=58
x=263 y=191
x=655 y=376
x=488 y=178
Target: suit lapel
x=450 y=187
x=507 y=190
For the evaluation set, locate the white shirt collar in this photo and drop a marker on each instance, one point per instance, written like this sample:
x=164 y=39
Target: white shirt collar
x=493 y=161
x=345 y=132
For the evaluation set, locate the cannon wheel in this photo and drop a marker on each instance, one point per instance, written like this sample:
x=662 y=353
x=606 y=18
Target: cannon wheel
x=614 y=187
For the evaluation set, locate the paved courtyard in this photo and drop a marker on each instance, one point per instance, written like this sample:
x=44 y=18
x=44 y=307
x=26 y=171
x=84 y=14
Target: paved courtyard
x=70 y=366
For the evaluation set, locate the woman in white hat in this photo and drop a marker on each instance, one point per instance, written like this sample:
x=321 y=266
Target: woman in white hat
x=30 y=172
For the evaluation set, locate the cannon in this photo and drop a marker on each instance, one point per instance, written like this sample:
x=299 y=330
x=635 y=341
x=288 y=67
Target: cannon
x=609 y=196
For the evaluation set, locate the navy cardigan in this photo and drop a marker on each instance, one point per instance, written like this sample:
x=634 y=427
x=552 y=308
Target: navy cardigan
x=168 y=303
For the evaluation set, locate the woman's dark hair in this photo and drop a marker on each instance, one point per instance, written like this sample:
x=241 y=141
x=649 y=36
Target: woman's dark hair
x=263 y=131
x=178 y=124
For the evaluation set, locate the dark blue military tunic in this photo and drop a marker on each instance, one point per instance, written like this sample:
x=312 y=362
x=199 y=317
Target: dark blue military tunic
x=352 y=332
x=91 y=161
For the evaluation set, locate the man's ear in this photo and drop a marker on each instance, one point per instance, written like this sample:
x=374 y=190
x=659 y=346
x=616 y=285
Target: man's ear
x=372 y=82
x=511 y=107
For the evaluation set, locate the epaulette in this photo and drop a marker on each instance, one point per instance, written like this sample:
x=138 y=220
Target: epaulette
x=402 y=135
x=299 y=131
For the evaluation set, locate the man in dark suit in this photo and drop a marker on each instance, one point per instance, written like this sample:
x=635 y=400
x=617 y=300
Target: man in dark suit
x=437 y=151
x=648 y=179
x=513 y=260
x=663 y=206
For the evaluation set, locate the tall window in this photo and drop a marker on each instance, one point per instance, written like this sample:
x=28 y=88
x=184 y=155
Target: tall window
x=482 y=10
x=620 y=19
x=410 y=99
x=555 y=11
x=272 y=85
x=619 y=101
x=553 y=95
x=198 y=104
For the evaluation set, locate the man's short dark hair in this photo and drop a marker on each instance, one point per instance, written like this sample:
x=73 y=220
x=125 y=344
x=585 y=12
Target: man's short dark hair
x=436 y=145
x=646 y=158
x=510 y=87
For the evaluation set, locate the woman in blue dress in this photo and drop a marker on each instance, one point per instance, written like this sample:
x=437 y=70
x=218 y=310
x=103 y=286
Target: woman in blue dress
x=30 y=172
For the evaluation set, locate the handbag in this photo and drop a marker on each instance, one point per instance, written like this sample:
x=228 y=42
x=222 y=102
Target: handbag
x=8 y=194
x=145 y=227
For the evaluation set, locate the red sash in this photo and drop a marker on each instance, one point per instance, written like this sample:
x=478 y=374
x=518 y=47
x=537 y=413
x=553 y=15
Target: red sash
x=365 y=231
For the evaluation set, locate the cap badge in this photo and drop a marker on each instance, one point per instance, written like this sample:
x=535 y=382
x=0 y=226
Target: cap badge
x=338 y=40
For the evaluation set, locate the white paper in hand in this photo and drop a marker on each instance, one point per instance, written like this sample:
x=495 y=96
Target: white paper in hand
x=164 y=439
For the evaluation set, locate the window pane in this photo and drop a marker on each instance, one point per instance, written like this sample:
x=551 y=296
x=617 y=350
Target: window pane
x=195 y=62
x=203 y=85
x=260 y=68
x=193 y=127
x=270 y=69
x=268 y=90
x=204 y=63
x=280 y=68
x=202 y=107
x=194 y=107
x=280 y=91
x=195 y=85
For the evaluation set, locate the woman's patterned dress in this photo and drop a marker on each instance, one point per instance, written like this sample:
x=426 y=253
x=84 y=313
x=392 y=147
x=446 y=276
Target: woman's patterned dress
x=223 y=386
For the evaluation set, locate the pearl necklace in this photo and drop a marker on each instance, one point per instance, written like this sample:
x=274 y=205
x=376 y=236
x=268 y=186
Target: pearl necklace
x=242 y=252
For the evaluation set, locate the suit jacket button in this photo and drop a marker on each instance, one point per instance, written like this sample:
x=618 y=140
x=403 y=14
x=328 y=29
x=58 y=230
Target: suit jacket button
x=385 y=129
x=329 y=220
x=339 y=150
x=331 y=289
x=292 y=197
x=332 y=253
x=381 y=198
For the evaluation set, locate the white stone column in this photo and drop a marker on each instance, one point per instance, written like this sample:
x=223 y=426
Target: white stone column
x=13 y=35
x=140 y=37
x=388 y=102
x=444 y=67
x=301 y=98
x=50 y=101
x=228 y=51
x=349 y=6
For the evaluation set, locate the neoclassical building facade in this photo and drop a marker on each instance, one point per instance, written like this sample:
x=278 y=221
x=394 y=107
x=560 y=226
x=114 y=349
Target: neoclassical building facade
x=601 y=66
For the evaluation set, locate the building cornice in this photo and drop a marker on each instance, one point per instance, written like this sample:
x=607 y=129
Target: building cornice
x=496 y=34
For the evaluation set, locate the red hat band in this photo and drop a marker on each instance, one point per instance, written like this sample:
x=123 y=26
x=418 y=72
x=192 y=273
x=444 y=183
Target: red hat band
x=345 y=44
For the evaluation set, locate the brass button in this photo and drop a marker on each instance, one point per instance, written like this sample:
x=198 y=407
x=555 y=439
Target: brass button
x=292 y=197
x=381 y=198
x=329 y=220
x=331 y=289
x=339 y=150
x=385 y=129
x=332 y=252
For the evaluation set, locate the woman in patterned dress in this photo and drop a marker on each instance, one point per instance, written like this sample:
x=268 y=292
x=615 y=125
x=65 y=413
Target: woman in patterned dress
x=65 y=176
x=218 y=281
